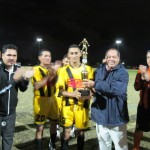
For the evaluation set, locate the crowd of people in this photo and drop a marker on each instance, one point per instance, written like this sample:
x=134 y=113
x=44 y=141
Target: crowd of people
x=63 y=96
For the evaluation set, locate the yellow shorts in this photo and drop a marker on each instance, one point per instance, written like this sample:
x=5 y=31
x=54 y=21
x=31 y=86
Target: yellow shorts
x=74 y=114
x=59 y=103
x=45 y=107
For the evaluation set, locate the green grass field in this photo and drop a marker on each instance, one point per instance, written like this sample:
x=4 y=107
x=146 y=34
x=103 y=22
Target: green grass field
x=25 y=129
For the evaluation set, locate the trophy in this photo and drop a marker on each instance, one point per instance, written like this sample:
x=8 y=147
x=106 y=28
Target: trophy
x=84 y=73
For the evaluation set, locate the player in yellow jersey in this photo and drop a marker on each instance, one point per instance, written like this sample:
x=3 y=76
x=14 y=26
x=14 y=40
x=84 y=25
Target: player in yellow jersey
x=75 y=108
x=44 y=108
x=65 y=62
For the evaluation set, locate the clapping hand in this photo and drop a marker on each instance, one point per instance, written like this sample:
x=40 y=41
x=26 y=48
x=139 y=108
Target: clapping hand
x=143 y=69
x=23 y=74
x=144 y=73
x=18 y=74
x=28 y=73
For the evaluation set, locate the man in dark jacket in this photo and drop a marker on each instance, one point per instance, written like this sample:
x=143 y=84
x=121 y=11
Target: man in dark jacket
x=109 y=109
x=11 y=78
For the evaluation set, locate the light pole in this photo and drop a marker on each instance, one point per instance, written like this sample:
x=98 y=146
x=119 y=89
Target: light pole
x=39 y=40
x=118 y=42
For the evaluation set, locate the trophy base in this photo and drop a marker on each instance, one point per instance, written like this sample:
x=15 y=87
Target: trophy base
x=84 y=92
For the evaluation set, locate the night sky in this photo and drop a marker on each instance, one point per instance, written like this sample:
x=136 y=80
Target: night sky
x=61 y=23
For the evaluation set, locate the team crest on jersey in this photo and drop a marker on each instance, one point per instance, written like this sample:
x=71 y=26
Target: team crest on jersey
x=75 y=83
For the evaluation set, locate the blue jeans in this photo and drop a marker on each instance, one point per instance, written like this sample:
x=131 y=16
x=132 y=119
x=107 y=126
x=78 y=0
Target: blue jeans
x=7 y=129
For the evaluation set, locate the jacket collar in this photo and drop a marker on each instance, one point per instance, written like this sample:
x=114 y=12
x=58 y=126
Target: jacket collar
x=4 y=67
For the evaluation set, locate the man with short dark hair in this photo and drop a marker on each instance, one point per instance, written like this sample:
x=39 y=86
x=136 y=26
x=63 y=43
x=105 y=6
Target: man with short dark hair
x=75 y=107
x=12 y=78
x=109 y=109
x=44 y=99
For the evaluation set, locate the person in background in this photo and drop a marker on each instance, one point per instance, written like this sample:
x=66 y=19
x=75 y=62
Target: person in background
x=58 y=64
x=75 y=108
x=142 y=84
x=109 y=108
x=65 y=60
x=12 y=78
x=44 y=99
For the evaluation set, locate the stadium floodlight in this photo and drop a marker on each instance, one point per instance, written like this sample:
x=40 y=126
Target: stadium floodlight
x=39 y=39
x=118 y=41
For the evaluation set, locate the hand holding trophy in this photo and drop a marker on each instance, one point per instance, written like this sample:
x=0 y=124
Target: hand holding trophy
x=84 y=73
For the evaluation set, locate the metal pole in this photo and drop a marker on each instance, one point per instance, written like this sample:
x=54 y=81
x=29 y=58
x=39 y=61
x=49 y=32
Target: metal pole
x=39 y=46
x=118 y=46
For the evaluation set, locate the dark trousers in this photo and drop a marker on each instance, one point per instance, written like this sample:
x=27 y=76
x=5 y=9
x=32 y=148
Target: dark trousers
x=7 y=129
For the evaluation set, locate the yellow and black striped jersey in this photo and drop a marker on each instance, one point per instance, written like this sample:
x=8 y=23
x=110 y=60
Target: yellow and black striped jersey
x=48 y=89
x=64 y=82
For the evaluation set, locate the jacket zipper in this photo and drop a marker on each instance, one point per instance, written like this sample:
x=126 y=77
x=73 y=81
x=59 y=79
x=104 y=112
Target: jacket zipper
x=9 y=97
